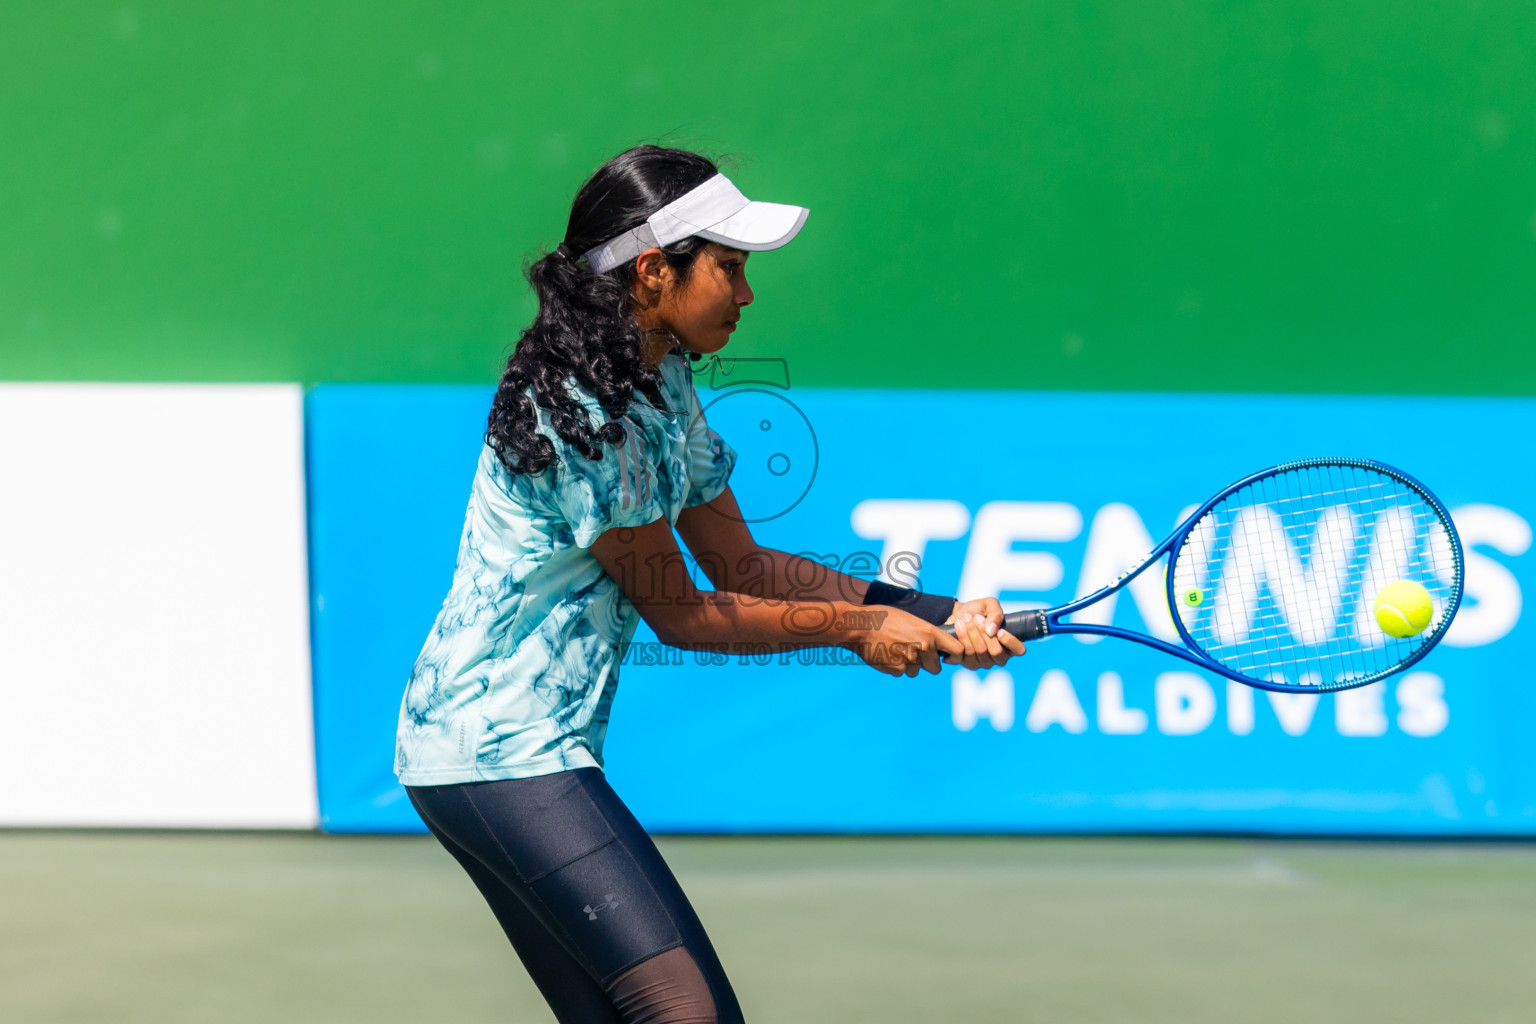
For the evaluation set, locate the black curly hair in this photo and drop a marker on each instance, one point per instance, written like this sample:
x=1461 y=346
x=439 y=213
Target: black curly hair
x=585 y=331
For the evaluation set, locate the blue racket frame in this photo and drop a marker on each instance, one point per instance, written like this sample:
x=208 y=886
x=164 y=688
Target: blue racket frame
x=1047 y=622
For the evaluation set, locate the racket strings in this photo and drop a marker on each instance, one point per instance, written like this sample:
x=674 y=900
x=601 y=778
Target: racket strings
x=1278 y=580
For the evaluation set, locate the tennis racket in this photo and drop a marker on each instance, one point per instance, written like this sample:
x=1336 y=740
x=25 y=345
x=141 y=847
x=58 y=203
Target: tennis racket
x=1273 y=582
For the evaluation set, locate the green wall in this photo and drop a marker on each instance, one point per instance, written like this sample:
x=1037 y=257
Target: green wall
x=1297 y=196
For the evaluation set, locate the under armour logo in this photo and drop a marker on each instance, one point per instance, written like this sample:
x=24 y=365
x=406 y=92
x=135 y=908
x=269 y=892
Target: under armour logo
x=609 y=901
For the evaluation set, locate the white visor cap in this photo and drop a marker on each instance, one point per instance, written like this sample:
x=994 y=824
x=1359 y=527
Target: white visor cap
x=716 y=210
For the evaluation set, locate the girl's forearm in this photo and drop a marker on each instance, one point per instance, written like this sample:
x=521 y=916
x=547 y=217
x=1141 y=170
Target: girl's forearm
x=769 y=574
x=723 y=619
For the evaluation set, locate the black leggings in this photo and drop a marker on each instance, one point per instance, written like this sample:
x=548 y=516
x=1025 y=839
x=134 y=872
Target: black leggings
x=591 y=908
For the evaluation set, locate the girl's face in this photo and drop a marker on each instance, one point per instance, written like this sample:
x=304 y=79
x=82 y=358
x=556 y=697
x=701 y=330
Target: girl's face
x=701 y=309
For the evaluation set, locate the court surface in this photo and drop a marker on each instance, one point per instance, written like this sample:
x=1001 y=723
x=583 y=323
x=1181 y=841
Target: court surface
x=131 y=927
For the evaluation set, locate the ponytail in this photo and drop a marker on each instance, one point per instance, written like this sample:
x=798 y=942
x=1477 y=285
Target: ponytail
x=584 y=332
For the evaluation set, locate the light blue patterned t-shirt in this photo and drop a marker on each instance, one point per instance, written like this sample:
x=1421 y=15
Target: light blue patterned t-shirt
x=518 y=673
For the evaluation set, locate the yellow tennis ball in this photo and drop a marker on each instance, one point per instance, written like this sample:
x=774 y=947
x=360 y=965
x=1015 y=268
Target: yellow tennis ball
x=1403 y=608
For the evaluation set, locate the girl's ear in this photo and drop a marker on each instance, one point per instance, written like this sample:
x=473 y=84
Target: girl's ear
x=650 y=272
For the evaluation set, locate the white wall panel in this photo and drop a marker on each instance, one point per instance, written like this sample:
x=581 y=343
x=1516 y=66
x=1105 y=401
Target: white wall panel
x=154 y=635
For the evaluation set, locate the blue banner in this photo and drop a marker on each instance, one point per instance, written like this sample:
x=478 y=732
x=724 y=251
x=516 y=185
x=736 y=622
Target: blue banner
x=1033 y=497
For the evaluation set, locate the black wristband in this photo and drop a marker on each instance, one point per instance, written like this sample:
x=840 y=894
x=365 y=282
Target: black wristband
x=932 y=608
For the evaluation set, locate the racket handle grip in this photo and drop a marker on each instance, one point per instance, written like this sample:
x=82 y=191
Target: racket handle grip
x=1027 y=626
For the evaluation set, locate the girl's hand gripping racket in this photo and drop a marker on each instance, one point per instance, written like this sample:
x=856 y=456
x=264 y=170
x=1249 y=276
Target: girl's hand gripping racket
x=1309 y=576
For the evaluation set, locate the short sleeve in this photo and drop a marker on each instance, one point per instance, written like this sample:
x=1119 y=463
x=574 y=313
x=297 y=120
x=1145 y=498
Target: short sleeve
x=596 y=495
x=710 y=459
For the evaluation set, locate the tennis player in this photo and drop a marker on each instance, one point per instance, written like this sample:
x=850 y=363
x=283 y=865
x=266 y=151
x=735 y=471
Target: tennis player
x=596 y=449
